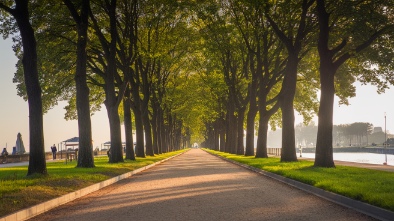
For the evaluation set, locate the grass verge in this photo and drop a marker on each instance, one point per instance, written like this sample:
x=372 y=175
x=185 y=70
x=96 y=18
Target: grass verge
x=366 y=185
x=18 y=191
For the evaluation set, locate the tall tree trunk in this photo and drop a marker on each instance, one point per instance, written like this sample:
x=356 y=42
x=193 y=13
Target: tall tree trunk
x=231 y=138
x=261 y=149
x=227 y=142
x=85 y=150
x=324 y=150
x=287 y=107
x=294 y=46
x=210 y=137
x=240 y=131
x=160 y=129
x=222 y=138
x=116 y=151
x=216 y=135
x=155 y=124
x=155 y=130
x=111 y=99
x=170 y=133
x=164 y=136
x=37 y=163
x=148 y=133
x=139 y=128
x=250 y=124
x=130 y=155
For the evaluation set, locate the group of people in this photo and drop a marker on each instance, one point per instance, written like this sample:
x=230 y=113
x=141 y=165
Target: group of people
x=4 y=153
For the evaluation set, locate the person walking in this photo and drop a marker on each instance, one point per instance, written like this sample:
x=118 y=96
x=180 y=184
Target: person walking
x=54 y=150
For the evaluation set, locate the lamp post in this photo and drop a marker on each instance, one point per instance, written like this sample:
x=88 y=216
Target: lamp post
x=385 y=140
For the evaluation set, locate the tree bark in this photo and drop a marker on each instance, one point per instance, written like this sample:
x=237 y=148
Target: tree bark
x=294 y=46
x=261 y=149
x=240 y=131
x=324 y=151
x=85 y=149
x=116 y=155
x=331 y=58
x=155 y=129
x=288 y=153
x=139 y=149
x=222 y=139
x=160 y=131
x=37 y=163
x=148 y=133
x=130 y=155
x=250 y=121
x=112 y=102
x=231 y=131
x=216 y=135
x=170 y=133
x=164 y=135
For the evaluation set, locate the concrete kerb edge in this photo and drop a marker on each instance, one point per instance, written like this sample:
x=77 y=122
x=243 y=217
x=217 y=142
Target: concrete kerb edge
x=364 y=208
x=38 y=209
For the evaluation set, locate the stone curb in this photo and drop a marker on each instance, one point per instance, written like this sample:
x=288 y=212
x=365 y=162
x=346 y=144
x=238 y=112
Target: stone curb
x=364 y=208
x=35 y=210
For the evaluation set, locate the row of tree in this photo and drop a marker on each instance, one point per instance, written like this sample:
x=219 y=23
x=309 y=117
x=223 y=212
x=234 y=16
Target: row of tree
x=355 y=134
x=91 y=52
x=190 y=69
x=275 y=55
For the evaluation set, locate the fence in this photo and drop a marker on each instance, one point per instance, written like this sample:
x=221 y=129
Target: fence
x=274 y=151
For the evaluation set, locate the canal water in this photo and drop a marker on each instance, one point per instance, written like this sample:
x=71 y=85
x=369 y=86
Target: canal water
x=370 y=158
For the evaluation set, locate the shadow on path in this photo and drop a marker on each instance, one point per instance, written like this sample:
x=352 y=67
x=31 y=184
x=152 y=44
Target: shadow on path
x=198 y=186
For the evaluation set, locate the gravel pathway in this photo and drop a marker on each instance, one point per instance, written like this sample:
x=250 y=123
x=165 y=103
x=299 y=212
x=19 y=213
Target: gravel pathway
x=198 y=186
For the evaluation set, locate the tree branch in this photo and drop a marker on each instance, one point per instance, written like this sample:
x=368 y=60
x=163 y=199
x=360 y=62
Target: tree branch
x=7 y=9
x=362 y=46
x=73 y=11
x=339 y=47
x=280 y=33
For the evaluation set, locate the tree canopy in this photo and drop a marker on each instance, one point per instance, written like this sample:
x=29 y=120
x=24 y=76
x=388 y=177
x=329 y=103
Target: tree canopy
x=207 y=71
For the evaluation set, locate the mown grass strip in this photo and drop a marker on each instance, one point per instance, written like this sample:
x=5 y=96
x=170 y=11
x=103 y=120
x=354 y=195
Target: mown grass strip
x=366 y=185
x=18 y=191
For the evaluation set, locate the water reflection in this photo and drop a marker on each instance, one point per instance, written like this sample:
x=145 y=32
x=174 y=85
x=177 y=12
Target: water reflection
x=370 y=158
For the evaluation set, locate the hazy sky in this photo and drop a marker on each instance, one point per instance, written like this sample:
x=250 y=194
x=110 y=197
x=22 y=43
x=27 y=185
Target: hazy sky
x=367 y=106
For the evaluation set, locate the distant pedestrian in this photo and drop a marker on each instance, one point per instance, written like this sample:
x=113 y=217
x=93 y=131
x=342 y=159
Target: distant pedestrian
x=54 y=150
x=109 y=152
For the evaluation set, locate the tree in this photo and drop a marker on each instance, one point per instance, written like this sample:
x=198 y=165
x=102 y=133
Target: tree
x=85 y=149
x=20 y=12
x=294 y=35
x=130 y=155
x=110 y=74
x=127 y=54
x=226 y=43
x=346 y=28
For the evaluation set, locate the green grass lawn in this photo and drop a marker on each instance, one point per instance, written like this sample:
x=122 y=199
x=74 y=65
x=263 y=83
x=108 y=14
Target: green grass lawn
x=18 y=191
x=370 y=186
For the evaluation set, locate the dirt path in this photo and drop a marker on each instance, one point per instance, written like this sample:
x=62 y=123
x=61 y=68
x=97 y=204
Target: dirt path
x=198 y=186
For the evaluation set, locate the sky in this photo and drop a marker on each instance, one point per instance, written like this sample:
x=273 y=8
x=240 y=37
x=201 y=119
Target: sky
x=367 y=106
